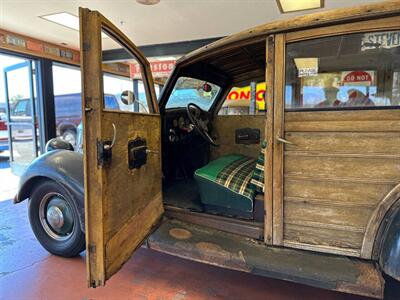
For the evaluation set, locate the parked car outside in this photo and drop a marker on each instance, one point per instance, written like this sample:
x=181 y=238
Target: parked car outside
x=68 y=110
x=3 y=133
x=69 y=114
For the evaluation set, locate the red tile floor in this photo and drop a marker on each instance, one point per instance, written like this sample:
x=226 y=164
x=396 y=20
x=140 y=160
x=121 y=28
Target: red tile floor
x=27 y=271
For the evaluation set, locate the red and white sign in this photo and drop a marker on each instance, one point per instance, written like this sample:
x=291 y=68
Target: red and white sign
x=365 y=78
x=161 y=68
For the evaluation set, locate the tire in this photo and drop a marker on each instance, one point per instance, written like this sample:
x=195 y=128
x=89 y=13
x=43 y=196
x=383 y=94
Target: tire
x=69 y=136
x=60 y=236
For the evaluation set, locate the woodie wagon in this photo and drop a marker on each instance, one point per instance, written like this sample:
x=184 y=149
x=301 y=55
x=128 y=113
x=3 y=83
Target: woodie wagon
x=306 y=189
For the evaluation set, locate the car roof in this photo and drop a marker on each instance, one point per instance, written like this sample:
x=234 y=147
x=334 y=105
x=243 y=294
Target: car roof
x=259 y=33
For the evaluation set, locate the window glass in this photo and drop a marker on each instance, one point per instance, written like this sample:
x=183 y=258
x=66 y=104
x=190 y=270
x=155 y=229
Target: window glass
x=22 y=108
x=68 y=98
x=190 y=90
x=67 y=101
x=347 y=71
x=248 y=100
x=125 y=92
x=113 y=87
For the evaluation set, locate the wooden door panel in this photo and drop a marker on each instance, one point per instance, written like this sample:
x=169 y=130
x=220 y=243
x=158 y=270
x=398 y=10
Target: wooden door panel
x=370 y=143
x=140 y=184
x=122 y=204
x=300 y=235
x=334 y=179
x=331 y=167
x=352 y=218
x=343 y=194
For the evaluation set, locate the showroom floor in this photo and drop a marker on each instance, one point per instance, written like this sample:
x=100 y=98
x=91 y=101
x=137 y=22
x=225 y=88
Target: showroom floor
x=27 y=271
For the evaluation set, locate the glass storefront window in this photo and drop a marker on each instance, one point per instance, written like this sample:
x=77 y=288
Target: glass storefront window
x=20 y=123
x=346 y=71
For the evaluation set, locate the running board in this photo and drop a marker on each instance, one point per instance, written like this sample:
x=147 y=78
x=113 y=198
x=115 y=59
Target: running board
x=211 y=246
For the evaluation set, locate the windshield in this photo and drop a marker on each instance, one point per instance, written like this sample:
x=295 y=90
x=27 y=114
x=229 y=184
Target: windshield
x=190 y=90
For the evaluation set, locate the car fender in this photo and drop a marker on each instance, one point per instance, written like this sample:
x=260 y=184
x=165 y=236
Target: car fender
x=62 y=166
x=389 y=257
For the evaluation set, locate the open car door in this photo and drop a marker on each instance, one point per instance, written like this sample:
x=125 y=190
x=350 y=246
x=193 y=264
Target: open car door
x=122 y=159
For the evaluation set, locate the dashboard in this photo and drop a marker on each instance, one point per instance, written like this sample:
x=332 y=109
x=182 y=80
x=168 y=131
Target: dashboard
x=178 y=127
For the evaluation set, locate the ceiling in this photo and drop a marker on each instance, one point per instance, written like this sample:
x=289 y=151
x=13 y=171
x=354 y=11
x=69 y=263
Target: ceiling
x=168 y=21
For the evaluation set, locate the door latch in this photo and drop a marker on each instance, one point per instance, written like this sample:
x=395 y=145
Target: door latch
x=284 y=141
x=104 y=149
x=137 y=153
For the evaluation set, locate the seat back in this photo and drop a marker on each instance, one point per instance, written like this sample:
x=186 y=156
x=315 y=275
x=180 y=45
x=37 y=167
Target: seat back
x=257 y=179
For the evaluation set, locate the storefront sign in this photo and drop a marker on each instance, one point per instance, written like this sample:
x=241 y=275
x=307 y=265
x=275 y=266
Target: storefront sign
x=2 y=38
x=34 y=46
x=52 y=50
x=307 y=66
x=66 y=54
x=158 y=69
x=364 y=78
x=376 y=40
x=15 y=41
x=245 y=94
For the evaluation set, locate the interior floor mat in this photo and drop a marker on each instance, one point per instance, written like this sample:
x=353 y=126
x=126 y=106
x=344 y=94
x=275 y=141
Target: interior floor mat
x=183 y=194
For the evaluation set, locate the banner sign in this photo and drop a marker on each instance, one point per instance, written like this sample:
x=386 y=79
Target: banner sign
x=26 y=45
x=34 y=46
x=245 y=94
x=2 y=38
x=159 y=69
x=376 y=40
x=16 y=42
x=363 y=78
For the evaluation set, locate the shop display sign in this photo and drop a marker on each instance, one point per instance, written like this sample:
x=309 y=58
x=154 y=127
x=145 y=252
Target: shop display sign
x=307 y=66
x=52 y=50
x=376 y=40
x=37 y=47
x=34 y=46
x=16 y=41
x=363 y=78
x=66 y=54
x=158 y=69
x=245 y=94
x=306 y=72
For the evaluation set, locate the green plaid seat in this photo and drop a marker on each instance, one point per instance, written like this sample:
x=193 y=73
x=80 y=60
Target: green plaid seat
x=237 y=175
x=224 y=185
x=257 y=180
x=228 y=184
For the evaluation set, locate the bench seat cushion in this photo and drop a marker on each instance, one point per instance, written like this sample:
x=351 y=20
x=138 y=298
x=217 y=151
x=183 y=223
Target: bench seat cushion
x=225 y=183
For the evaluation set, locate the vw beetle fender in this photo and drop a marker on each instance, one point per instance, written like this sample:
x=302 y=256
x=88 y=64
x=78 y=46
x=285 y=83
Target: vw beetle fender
x=62 y=166
x=389 y=258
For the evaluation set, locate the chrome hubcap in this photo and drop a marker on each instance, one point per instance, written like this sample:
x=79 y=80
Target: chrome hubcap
x=56 y=216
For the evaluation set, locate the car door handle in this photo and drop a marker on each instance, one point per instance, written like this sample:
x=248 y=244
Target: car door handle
x=283 y=141
x=148 y=151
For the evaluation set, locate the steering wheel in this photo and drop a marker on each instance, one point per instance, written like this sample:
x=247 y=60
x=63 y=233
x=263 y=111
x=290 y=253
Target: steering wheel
x=200 y=119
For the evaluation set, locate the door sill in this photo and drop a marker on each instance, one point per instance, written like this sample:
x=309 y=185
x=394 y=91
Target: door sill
x=215 y=247
x=250 y=229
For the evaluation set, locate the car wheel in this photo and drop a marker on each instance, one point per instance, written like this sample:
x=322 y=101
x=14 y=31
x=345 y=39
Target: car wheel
x=55 y=220
x=70 y=137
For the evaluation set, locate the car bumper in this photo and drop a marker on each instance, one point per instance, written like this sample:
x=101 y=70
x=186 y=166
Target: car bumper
x=3 y=146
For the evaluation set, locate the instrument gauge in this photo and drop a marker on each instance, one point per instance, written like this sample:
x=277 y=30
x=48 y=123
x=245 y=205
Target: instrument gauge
x=181 y=122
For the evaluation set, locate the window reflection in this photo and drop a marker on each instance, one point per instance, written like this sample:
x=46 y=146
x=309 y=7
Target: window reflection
x=345 y=71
